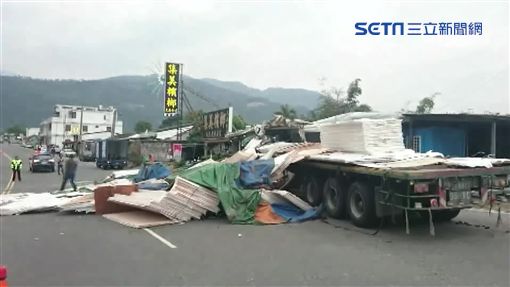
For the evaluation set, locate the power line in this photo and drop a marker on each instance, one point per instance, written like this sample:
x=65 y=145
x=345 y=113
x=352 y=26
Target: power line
x=205 y=98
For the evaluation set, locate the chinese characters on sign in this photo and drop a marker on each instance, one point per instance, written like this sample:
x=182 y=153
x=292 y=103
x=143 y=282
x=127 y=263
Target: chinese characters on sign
x=218 y=123
x=419 y=28
x=172 y=92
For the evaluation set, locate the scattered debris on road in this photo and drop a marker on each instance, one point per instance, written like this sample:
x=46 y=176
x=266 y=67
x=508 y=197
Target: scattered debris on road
x=253 y=185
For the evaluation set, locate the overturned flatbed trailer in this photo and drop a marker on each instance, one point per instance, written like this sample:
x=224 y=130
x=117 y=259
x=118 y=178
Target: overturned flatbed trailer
x=367 y=193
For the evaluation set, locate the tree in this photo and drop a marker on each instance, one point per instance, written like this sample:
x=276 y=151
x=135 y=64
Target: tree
x=329 y=107
x=353 y=92
x=363 y=108
x=142 y=126
x=333 y=102
x=195 y=118
x=426 y=104
x=16 y=129
x=287 y=112
x=238 y=123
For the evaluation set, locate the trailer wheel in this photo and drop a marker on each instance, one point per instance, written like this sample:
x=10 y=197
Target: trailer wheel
x=361 y=205
x=334 y=198
x=312 y=190
x=440 y=215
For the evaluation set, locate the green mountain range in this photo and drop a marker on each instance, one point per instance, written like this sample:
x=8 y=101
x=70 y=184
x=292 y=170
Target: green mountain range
x=28 y=101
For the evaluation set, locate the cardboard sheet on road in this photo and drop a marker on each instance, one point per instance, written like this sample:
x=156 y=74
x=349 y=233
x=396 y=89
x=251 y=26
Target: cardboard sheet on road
x=138 y=218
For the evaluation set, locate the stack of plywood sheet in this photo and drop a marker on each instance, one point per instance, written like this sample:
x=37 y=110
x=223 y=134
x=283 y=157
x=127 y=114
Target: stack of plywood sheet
x=186 y=200
x=368 y=136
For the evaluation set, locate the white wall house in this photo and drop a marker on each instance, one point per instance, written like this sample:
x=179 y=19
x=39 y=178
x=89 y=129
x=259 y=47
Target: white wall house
x=31 y=132
x=64 y=124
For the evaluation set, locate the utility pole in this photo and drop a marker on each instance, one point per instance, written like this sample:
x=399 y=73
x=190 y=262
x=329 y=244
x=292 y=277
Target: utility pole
x=180 y=103
x=114 y=121
x=81 y=123
x=64 y=129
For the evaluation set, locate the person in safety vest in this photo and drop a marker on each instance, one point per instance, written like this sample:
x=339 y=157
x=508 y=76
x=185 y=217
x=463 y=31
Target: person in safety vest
x=16 y=165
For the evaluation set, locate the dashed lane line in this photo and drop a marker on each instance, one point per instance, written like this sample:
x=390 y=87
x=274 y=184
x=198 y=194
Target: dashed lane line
x=158 y=237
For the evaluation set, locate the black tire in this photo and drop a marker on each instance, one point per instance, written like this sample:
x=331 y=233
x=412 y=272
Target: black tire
x=312 y=190
x=361 y=205
x=440 y=215
x=334 y=198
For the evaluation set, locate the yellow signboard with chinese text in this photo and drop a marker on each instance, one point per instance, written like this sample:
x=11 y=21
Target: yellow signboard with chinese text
x=172 y=88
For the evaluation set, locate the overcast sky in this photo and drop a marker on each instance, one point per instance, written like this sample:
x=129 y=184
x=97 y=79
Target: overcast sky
x=267 y=44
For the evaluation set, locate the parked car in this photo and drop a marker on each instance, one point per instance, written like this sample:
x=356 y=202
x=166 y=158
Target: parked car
x=41 y=162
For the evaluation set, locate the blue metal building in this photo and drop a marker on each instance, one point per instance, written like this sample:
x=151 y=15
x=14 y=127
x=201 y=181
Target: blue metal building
x=458 y=134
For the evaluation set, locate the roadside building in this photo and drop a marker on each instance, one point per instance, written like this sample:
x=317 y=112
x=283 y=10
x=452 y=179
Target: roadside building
x=458 y=134
x=31 y=132
x=66 y=120
x=161 y=145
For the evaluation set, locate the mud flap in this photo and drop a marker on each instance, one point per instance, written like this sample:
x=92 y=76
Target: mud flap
x=382 y=210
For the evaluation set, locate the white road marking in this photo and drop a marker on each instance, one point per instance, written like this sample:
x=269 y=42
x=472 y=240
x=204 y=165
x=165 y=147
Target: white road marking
x=7 y=187
x=163 y=240
x=10 y=188
x=6 y=155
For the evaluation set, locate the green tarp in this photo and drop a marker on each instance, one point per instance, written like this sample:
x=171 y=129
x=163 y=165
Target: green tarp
x=239 y=204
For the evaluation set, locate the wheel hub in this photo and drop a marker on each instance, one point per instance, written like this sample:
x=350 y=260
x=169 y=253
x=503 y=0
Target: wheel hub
x=357 y=205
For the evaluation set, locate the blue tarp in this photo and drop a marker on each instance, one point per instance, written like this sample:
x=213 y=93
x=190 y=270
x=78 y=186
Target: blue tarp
x=292 y=213
x=156 y=170
x=255 y=173
x=154 y=185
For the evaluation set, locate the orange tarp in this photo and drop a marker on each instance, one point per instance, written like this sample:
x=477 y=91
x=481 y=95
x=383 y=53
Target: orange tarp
x=265 y=215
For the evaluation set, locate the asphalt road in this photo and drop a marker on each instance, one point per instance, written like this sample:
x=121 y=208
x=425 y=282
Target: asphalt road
x=49 y=249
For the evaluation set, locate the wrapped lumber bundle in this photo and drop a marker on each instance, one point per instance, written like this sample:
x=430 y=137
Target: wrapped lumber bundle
x=368 y=136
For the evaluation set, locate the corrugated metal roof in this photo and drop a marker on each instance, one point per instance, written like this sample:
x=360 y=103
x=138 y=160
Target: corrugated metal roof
x=456 y=117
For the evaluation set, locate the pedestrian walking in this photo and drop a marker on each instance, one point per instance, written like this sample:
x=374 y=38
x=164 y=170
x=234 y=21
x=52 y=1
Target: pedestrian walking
x=70 y=167
x=16 y=165
x=60 y=164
